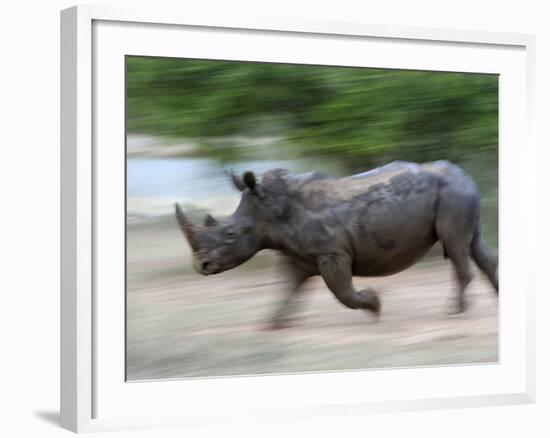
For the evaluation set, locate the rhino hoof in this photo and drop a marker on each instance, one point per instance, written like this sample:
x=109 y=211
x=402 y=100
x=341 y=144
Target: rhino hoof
x=456 y=307
x=373 y=302
x=278 y=324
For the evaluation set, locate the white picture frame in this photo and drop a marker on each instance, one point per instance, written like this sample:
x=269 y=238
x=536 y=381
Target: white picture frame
x=93 y=396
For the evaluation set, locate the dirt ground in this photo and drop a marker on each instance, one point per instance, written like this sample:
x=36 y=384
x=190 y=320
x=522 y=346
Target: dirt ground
x=181 y=324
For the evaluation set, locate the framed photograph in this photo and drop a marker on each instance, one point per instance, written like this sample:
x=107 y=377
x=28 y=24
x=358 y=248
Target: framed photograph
x=281 y=219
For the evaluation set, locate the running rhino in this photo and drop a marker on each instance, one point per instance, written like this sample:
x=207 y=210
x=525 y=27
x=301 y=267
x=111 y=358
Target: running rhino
x=374 y=223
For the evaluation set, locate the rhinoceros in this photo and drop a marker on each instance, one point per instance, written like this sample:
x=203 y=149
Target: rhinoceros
x=375 y=223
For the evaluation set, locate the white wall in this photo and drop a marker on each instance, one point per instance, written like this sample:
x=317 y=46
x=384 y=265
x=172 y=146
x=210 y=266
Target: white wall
x=29 y=219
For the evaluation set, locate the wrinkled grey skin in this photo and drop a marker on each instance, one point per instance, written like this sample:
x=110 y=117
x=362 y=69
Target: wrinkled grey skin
x=371 y=224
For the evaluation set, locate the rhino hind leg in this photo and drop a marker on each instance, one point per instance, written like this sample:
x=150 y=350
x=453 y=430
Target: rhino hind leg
x=336 y=272
x=461 y=262
x=456 y=222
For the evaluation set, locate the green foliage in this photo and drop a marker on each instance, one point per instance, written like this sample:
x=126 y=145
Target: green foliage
x=356 y=114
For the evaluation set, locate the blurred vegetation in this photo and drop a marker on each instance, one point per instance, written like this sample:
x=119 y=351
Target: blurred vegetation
x=365 y=115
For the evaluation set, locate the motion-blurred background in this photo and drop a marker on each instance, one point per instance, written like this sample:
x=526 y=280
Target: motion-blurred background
x=191 y=121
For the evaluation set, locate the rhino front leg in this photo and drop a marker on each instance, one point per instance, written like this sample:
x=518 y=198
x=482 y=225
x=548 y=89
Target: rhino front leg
x=296 y=275
x=336 y=272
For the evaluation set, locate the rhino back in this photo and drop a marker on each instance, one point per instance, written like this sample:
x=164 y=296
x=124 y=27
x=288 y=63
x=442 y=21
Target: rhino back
x=395 y=185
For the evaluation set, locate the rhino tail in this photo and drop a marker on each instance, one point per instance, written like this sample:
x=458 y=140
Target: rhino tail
x=485 y=258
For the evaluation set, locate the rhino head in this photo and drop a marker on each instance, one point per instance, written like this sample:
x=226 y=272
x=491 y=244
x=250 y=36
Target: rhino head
x=221 y=245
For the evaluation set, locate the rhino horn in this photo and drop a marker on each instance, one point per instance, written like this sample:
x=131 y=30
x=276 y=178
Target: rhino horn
x=189 y=230
x=210 y=221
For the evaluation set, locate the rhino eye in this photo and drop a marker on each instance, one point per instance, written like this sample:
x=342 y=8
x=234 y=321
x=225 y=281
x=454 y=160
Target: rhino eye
x=229 y=236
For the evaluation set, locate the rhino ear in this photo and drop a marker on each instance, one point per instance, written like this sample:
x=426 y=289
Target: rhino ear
x=238 y=182
x=210 y=221
x=249 y=180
